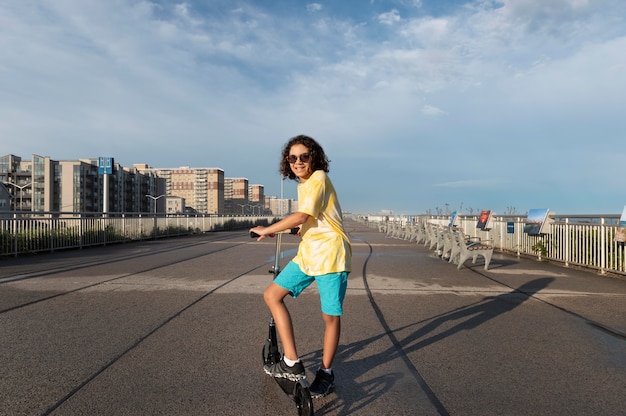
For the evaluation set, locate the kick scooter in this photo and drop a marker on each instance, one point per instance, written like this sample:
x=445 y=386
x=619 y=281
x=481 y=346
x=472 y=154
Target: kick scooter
x=298 y=391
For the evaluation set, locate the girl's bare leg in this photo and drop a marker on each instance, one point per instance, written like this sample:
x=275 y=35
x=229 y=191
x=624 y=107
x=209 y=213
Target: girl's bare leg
x=331 y=339
x=274 y=299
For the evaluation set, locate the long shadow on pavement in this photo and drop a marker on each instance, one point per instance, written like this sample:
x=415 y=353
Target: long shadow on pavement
x=358 y=395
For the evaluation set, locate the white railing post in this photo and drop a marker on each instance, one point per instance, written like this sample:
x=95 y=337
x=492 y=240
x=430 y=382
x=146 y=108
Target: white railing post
x=603 y=256
x=568 y=243
x=14 y=224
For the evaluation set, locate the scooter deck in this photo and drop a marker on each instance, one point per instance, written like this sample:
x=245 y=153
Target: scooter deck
x=288 y=386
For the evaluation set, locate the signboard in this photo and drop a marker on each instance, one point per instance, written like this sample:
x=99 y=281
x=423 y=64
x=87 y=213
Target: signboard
x=484 y=222
x=535 y=221
x=105 y=165
x=453 y=218
x=510 y=227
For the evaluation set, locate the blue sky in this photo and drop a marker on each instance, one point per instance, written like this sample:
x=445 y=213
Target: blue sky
x=420 y=104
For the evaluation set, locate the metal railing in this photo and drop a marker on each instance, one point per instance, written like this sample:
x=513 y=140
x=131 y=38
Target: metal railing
x=586 y=241
x=24 y=233
x=574 y=240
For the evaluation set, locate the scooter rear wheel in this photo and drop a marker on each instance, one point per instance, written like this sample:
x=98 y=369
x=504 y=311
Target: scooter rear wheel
x=302 y=397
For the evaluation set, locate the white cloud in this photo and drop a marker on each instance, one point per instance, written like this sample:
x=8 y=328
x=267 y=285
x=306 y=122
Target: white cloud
x=389 y=18
x=430 y=110
x=314 y=7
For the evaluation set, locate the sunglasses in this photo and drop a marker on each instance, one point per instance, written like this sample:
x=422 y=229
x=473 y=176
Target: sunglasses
x=304 y=158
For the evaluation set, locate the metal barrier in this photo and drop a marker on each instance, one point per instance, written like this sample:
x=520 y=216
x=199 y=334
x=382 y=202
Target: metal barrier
x=586 y=241
x=24 y=233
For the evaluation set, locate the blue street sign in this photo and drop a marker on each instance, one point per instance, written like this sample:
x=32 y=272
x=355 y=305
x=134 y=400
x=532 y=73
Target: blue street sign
x=105 y=165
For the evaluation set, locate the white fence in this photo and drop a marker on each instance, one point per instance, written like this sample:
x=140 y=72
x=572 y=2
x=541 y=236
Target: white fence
x=575 y=240
x=585 y=241
x=32 y=233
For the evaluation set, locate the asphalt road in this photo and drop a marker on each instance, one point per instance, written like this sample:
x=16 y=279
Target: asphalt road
x=176 y=327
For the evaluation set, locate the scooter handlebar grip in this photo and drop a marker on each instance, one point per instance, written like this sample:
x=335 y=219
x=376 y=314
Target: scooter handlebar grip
x=255 y=235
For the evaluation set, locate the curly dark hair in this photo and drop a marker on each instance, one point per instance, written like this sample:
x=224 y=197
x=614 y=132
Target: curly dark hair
x=319 y=161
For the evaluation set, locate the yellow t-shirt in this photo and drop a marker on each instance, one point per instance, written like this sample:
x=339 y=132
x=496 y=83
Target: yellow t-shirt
x=325 y=247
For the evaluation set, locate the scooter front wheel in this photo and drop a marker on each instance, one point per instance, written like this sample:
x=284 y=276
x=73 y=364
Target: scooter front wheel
x=270 y=353
x=302 y=397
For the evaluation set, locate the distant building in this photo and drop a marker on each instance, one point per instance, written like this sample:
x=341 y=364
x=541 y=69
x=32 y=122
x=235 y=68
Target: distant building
x=280 y=207
x=5 y=199
x=17 y=178
x=236 y=199
x=174 y=205
x=201 y=188
x=256 y=196
x=46 y=185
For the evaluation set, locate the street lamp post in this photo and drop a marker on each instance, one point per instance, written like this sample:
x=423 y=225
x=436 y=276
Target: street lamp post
x=154 y=198
x=21 y=188
x=154 y=220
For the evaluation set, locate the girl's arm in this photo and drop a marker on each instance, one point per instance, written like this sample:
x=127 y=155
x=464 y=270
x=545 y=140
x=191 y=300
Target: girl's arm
x=292 y=220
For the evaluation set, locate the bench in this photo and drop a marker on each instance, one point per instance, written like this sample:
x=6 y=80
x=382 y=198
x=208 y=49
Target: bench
x=414 y=232
x=448 y=243
x=420 y=232
x=392 y=229
x=432 y=236
x=465 y=247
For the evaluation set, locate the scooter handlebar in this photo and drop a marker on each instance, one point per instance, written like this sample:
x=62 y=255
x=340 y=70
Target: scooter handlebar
x=290 y=231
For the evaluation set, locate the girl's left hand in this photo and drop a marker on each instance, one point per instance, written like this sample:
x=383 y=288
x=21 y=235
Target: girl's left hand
x=260 y=231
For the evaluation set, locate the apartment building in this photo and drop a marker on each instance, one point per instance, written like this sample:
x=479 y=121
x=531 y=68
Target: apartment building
x=5 y=198
x=18 y=181
x=33 y=185
x=280 y=207
x=256 y=197
x=202 y=189
x=236 y=196
x=46 y=185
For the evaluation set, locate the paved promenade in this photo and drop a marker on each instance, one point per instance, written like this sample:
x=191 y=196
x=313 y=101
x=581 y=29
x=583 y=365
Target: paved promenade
x=175 y=327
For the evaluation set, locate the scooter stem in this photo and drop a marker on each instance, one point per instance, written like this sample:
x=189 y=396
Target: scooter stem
x=277 y=256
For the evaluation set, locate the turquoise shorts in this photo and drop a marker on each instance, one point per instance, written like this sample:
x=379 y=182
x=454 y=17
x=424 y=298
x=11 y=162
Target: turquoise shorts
x=332 y=287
